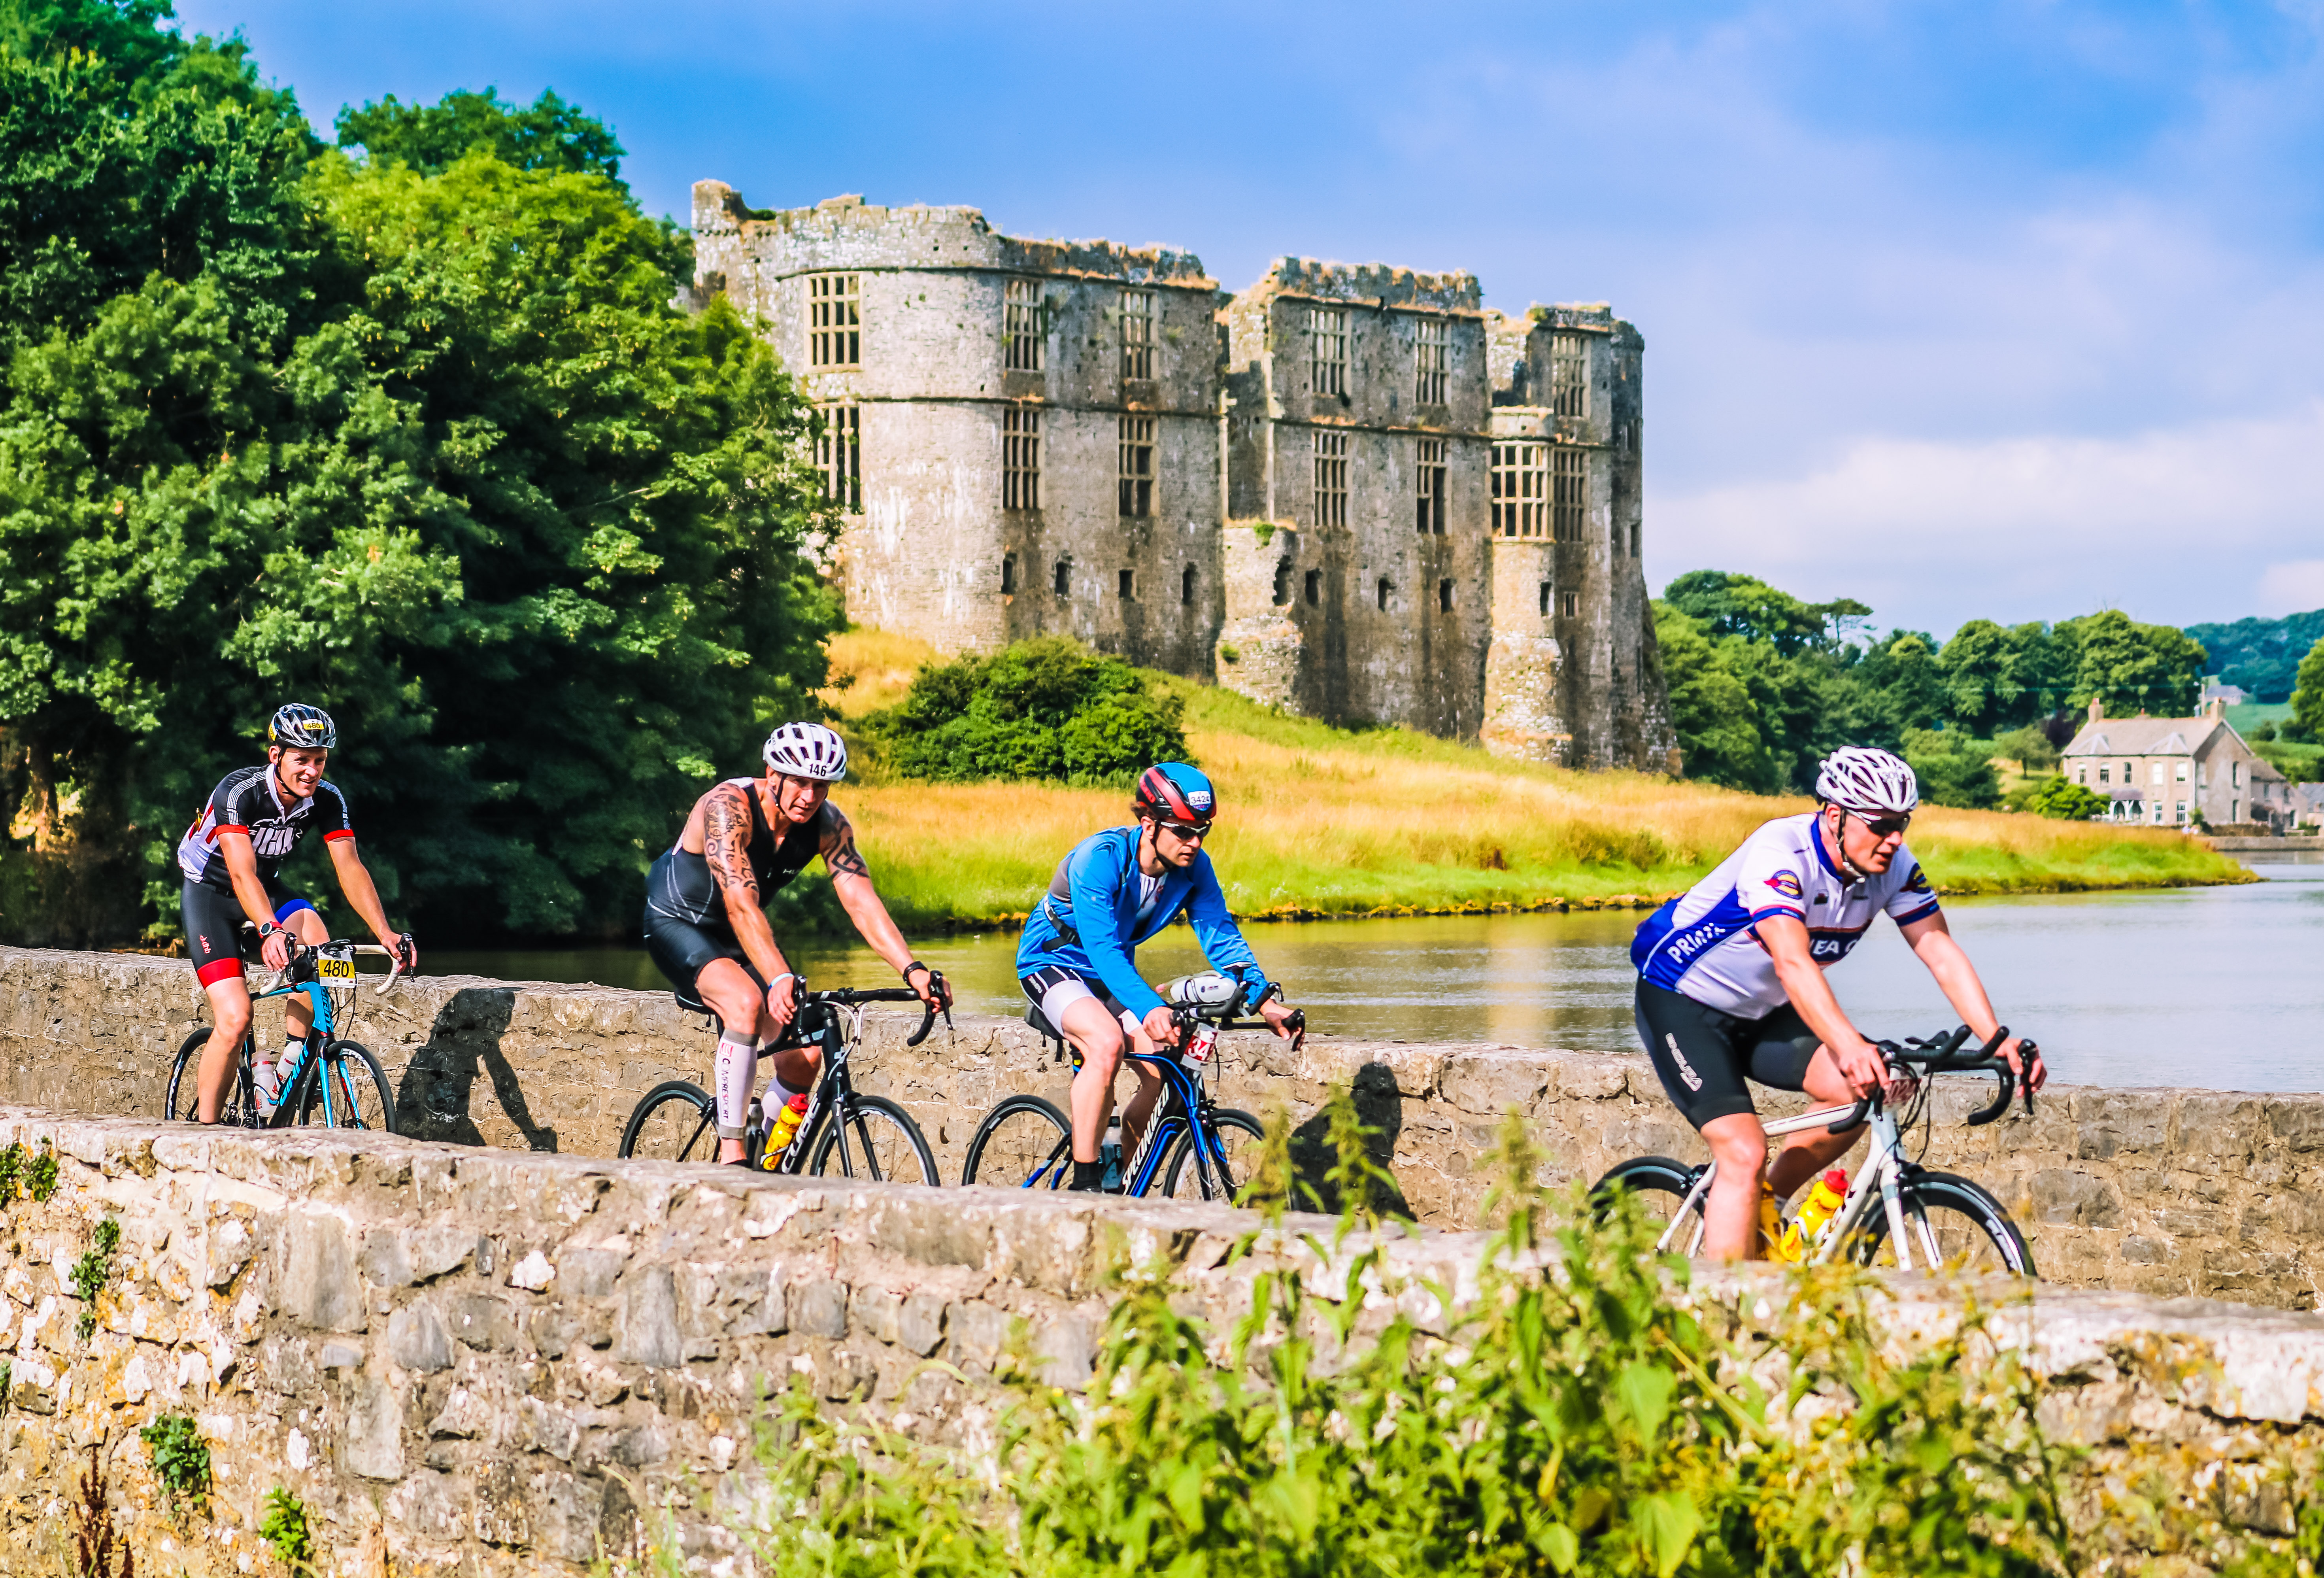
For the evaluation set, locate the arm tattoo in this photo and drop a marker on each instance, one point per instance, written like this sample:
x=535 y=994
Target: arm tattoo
x=726 y=842
x=840 y=857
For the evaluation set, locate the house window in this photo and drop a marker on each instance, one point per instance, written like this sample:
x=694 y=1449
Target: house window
x=2154 y=813
x=1130 y=586
x=1545 y=599
x=1520 y=489
x=1315 y=588
x=1327 y=350
x=2183 y=810
x=1568 y=483
x=1384 y=590
x=2082 y=774
x=835 y=334
x=1186 y=588
x=1569 y=375
x=2155 y=773
x=1021 y=459
x=1431 y=492
x=2235 y=810
x=1137 y=434
x=2179 y=773
x=2234 y=775
x=1061 y=579
x=838 y=456
x=1330 y=479
x=1433 y=345
x=1570 y=605
x=1443 y=596
x=1024 y=333
x=1136 y=334
x=2106 y=773
x=1008 y=573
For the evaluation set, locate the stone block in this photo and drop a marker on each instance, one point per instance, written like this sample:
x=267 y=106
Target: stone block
x=501 y=1513
x=590 y=1273
x=565 y=1513
x=877 y=1313
x=919 y=1326
x=2063 y=1197
x=484 y=1322
x=819 y=1309
x=2298 y=1121
x=978 y=1333
x=549 y=1429
x=317 y=1286
x=648 y=1331
x=1492 y=1083
x=430 y=1504
x=417 y=1339
x=2107 y=1124
x=374 y=1443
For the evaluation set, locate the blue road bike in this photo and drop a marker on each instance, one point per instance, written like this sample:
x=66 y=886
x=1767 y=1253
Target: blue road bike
x=335 y=1083
x=1196 y=1148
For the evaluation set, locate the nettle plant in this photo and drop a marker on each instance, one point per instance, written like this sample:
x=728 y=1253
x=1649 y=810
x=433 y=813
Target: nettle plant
x=1581 y=1413
x=181 y=1461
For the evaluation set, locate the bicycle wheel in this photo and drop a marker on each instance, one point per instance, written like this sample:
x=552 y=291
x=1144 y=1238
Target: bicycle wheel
x=676 y=1122
x=878 y=1143
x=182 y=1104
x=1239 y=1134
x=1660 y=1186
x=346 y=1088
x=1024 y=1143
x=1955 y=1226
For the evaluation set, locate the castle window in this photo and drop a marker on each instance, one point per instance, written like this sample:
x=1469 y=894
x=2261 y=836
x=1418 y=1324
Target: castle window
x=1136 y=436
x=1384 y=588
x=1520 y=489
x=1282 y=582
x=1315 y=588
x=1061 y=579
x=1433 y=345
x=1569 y=375
x=1327 y=347
x=1545 y=599
x=1431 y=492
x=1186 y=588
x=1008 y=574
x=1138 y=334
x=1130 y=586
x=1024 y=333
x=838 y=455
x=1634 y=540
x=1443 y=596
x=1330 y=479
x=1021 y=459
x=1568 y=481
x=1570 y=605
x=835 y=337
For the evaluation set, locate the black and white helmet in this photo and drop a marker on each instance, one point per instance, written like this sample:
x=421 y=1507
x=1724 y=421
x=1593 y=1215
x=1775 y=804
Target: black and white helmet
x=1856 y=777
x=300 y=727
x=807 y=751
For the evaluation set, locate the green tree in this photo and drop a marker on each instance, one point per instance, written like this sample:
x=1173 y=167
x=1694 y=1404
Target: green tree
x=1712 y=712
x=1743 y=606
x=2308 y=693
x=1045 y=708
x=1997 y=679
x=2132 y=667
x=548 y=133
x=1955 y=769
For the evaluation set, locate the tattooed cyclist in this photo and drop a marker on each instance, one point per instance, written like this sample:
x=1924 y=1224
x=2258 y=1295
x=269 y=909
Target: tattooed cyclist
x=707 y=925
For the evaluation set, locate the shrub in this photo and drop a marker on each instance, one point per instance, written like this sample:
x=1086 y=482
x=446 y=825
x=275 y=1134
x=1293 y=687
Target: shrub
x=285 y=1527
x=1955 y=769
x=93 y=1270
x=2057 y=799
x=181 y=1460
x=1045 y=709
x=40 y=1173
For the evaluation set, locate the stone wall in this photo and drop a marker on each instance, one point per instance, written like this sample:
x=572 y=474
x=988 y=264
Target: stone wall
x=495 y=1363
x=2171 y=1193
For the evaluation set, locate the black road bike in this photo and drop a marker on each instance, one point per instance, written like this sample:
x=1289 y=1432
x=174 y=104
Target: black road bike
x=844 y=1131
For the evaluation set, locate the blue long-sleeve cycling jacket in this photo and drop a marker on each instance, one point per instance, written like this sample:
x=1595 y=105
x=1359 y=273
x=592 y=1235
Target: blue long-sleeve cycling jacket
x=1088 y=920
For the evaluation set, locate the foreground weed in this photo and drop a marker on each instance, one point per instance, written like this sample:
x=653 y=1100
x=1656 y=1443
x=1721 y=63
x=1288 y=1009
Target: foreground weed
x=40 y=1173
x=285 y=1529
x=99 y=1549
x=12 y=1167
x=181 y=1461
x=92 y=1271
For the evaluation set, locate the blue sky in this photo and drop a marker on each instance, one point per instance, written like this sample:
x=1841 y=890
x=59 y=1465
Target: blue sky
x=2004 y=310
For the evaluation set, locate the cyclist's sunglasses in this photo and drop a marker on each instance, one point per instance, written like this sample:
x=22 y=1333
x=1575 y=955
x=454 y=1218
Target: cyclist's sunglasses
x=1883 y=826
x=1186 y=831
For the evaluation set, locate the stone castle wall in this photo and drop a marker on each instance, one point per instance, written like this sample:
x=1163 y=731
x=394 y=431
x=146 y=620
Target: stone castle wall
x=494 y=1362
x=2168 y=1193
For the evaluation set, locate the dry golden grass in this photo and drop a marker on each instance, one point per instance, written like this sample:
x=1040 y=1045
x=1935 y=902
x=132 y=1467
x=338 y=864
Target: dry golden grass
x=872 y=669
x=1323 y=821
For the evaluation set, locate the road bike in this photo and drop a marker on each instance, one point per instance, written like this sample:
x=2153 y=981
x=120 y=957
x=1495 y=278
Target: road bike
x=1898 y=1214
x=1198 y=1149
x=336 y=1084
x=859 y=1136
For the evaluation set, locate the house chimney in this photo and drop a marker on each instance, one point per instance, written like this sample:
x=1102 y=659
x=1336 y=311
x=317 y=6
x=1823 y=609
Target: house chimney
x=2098 y=709
x=2217 y=707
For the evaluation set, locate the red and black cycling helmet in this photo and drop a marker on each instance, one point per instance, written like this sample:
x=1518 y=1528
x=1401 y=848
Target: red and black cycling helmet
x=1172 y=791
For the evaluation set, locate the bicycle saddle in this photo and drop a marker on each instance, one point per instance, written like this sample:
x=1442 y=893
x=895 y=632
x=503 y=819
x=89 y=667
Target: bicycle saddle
x=689 y=1001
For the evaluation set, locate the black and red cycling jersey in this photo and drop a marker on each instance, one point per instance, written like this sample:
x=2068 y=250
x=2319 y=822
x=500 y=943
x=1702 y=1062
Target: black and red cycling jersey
x=251 y=800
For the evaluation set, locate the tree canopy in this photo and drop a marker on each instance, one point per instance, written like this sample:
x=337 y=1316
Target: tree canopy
x=548 y=133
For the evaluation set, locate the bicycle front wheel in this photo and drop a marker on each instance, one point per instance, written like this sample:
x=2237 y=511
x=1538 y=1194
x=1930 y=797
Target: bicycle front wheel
x=1024 y=1143
x=676 y=1122
x=1954 y=1225
x=1231 y=1162
x=876 y=1143
x=182 y=1102
x=1660 y=1186
x=346 y=1088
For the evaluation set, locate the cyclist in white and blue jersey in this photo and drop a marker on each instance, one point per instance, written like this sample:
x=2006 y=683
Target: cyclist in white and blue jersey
x=1730 y=980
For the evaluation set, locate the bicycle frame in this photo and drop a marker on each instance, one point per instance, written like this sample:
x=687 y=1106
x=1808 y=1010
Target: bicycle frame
x=1184 y=1103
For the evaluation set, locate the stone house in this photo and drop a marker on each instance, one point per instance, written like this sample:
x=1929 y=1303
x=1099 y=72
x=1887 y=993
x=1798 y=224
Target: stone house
x=1353 y=491
x=2161 y=771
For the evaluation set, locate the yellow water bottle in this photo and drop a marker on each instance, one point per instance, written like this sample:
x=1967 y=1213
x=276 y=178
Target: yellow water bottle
x=778 y=1137
x=1771 y=1223
x=1825 y=1198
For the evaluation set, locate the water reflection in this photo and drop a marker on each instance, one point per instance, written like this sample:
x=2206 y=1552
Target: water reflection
x=2212 y=987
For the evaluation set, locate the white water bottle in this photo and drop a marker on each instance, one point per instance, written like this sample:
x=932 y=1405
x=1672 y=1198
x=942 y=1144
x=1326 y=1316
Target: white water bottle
x=1108 y=1155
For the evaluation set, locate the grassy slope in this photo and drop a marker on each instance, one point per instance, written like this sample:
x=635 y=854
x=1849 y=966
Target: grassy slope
x=1325 y=821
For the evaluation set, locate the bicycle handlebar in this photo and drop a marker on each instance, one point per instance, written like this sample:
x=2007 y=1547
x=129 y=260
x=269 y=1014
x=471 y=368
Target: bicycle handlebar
x=1943 y=1055
x=851 y=997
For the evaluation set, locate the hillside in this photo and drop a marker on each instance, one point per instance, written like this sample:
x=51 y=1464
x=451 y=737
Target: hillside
x=1317 y=821
x=2261 y=655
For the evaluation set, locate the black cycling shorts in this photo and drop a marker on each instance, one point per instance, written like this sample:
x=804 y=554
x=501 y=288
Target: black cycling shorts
x=680 y=948
x=213 y=920
x=1703 y=1055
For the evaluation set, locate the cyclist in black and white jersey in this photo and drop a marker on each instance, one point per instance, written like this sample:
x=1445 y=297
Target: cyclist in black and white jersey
x=1731 y=987
x=246 y=830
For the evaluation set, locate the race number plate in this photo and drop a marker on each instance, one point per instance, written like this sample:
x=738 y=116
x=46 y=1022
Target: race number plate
x=329 y=969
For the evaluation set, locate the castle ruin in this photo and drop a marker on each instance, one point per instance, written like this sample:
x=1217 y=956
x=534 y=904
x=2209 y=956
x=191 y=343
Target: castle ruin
x=1353 y=491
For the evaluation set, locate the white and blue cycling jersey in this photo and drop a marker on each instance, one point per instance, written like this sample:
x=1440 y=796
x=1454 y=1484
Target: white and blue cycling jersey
x=1704 y=944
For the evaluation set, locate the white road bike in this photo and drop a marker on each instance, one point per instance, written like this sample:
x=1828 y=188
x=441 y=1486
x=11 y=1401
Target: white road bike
x=1898 y=1216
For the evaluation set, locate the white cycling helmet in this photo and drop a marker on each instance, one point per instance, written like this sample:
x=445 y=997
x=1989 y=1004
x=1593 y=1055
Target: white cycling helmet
x=807 y=751
x=1869 y=782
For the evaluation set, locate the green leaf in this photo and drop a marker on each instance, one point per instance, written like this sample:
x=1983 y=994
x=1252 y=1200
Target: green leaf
x=1666 y=1526
x=1560 y=1546
x=1646 y=1392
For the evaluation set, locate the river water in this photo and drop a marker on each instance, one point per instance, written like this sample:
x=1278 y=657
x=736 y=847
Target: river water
x=2216 y=988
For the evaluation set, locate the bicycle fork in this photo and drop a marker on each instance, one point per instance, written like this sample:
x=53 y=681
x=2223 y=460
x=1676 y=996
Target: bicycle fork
x=1878 y=1175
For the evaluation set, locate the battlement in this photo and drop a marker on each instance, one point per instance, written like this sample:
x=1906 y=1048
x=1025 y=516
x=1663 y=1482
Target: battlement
x=1369 y=284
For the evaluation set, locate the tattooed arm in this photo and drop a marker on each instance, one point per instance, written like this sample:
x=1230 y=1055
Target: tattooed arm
x=727 y=849
x=851 y=880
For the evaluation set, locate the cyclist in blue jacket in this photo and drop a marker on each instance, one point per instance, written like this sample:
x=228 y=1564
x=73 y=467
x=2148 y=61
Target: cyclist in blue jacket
x=1116 y=889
